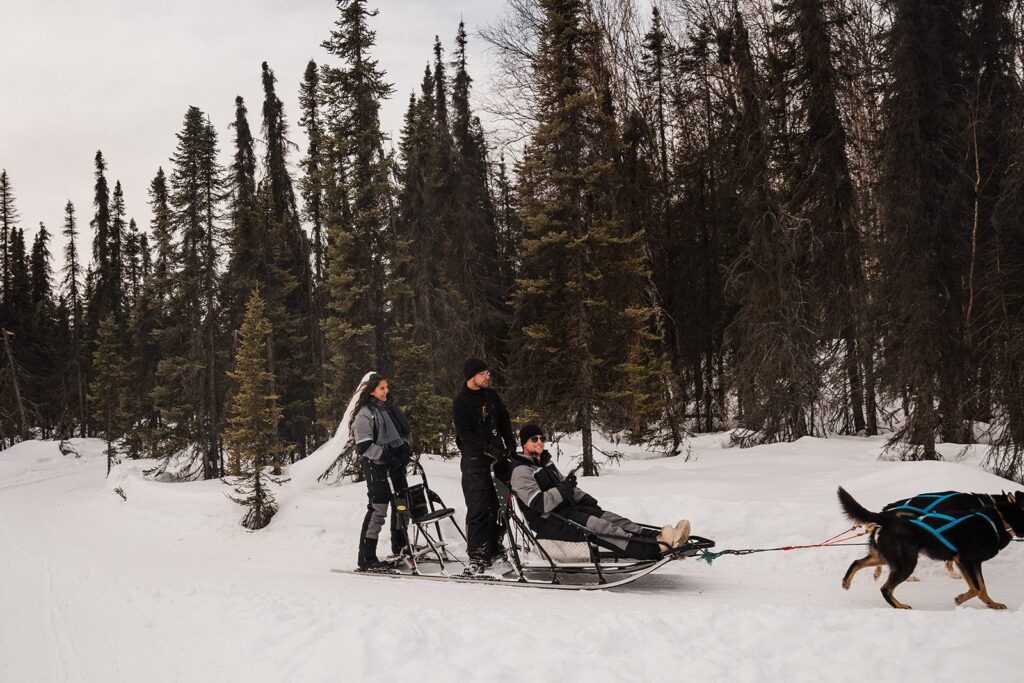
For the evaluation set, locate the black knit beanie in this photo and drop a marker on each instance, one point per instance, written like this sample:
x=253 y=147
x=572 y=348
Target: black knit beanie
x=473 y=366
x=527 y=431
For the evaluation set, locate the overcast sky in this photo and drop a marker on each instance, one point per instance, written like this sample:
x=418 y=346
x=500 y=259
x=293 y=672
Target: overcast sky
x=118 y=75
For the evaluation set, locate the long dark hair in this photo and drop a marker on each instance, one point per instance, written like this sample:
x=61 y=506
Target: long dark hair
x=365 y=394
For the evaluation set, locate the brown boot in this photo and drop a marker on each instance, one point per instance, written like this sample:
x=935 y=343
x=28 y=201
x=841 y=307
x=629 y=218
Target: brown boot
x=681 y=534
x=665 y=538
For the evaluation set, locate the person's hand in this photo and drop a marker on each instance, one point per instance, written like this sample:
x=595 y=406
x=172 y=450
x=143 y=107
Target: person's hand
x=404 y=454
x=571 y=479
x=588 y=500
x=496 y=454
x=567 y=493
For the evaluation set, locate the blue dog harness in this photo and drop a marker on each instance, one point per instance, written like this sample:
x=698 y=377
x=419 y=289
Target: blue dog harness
x=938 y=524
x=936 y=500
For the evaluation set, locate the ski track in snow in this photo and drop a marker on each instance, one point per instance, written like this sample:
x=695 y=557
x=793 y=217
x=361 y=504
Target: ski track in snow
x=166 y=586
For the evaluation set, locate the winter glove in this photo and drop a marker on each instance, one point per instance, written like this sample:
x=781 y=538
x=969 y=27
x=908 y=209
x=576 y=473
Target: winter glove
x=496 y=454
x=386 y=458
x=571 y=479
x=588 y=500
x=567 y=493
x=403 y=454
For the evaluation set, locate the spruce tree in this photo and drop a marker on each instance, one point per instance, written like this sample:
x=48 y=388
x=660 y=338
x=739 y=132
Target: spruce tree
x=132 y=265
x=578 y=302
x=76 y=315
x=189 y=391
x=421 y=352
x=108 y=389
x=150 y=316
x=8 y=221
x=924 y=208
x=244 y=241
x=354 y=290
x=289 y=280
x=102 y=303
x=313 y=165
x=473 y=264
x=118 y=266
x=16 y=407
x=773 y=333
x=252 y=436
x=821 y=191
x=43 y=357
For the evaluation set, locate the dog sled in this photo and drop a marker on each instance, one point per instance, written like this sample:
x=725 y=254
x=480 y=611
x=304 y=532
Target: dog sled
x=531 y=563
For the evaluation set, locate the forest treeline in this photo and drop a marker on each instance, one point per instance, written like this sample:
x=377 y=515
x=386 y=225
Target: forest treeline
x=785 y=218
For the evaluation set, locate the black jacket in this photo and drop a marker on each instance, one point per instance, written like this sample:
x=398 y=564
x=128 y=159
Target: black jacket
x=483 y=429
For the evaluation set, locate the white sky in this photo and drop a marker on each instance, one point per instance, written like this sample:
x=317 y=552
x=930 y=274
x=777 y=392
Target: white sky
x=118 y=75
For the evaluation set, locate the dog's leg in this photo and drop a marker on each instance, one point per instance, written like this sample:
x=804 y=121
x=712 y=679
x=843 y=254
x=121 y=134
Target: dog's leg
x=972 y=589
x=899 y=572
x=952 y=572
x=873 y=559
x=979 y=579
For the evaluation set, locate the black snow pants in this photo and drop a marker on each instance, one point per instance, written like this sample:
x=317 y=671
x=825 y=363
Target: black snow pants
x=483 y=533
x=379 y=499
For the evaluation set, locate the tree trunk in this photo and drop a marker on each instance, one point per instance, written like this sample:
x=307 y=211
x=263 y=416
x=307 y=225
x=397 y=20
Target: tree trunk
x=856 y=388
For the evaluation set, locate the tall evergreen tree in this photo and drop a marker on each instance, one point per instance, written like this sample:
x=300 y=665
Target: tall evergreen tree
x=108 y=388
x=773 y=334
x=821 y=190
x=74 y=298
x=118 y=266
x=252 y=436
x=42 y=357
x=189 y=393
x=473 y=263
x=312 y=184
x=288 y=278
x=244 y=241
x=132 y=265
x=103 y=300
x=8 y=221
x=924 y=203
x=150 y=316
x=578 y=301
x=354 y=298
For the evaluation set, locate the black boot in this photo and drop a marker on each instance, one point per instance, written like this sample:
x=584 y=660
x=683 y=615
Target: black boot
x=368 y=554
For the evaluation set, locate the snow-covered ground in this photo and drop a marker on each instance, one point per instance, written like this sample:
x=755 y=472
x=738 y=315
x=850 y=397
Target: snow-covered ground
x=166 y=586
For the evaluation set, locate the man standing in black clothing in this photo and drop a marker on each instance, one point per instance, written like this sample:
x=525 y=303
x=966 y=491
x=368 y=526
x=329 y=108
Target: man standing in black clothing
x=483 y=433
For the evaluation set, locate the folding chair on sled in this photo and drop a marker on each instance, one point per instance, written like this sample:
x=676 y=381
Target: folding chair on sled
x=549 y=561
x=420 y=511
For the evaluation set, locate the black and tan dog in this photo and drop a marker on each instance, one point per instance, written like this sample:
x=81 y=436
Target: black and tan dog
x=968 y=538
x=945 y=502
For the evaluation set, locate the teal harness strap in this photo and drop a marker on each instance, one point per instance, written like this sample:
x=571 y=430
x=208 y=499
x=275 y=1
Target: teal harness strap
x=951 y=522
x=939 y=498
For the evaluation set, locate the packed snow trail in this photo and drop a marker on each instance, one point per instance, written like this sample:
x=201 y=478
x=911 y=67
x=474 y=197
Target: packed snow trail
x=166 y=586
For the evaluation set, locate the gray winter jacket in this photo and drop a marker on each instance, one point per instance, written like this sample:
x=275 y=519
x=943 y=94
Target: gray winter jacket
x=374 y=415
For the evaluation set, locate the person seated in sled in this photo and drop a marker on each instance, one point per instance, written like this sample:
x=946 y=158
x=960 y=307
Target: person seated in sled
x=543 y=490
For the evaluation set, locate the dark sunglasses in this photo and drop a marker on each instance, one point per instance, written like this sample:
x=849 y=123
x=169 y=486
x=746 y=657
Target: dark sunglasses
x=536 y=439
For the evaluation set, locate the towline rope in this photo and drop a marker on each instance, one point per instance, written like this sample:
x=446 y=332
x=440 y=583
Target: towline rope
x=840 y=539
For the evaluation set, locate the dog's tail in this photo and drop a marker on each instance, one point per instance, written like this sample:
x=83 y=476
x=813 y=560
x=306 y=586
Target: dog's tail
x=856 y=512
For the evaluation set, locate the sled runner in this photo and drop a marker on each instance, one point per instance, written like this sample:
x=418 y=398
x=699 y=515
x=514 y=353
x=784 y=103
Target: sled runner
x=532 y=562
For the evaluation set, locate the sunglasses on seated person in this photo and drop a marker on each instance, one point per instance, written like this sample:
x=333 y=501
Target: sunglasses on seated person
x=536 y=439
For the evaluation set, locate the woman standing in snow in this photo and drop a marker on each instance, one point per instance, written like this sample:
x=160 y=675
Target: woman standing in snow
x=382 y=436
